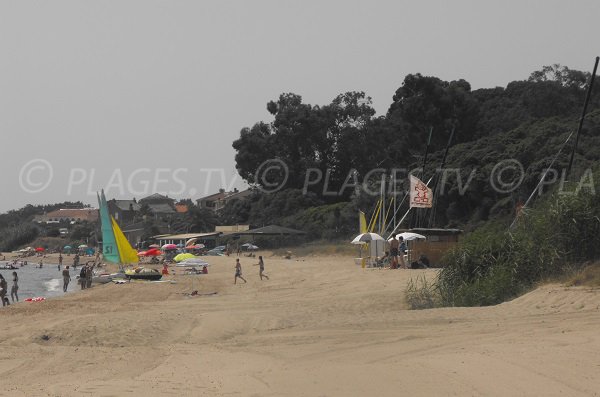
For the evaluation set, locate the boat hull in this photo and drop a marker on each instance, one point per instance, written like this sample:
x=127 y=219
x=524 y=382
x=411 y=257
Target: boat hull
x=151 y=277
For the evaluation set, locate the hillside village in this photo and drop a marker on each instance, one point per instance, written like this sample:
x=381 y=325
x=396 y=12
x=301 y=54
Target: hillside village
x=140 y=220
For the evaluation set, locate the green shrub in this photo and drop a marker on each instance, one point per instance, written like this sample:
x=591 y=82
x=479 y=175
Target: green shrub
x=496 y=263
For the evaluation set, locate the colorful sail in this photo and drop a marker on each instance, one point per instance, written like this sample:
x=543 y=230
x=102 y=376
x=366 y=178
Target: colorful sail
x=110 y=250
x=126 y=252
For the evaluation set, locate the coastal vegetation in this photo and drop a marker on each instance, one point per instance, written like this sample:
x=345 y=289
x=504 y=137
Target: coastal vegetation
x=495 y=263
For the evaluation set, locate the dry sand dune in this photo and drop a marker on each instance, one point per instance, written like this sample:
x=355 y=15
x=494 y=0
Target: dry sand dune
x=320 y=327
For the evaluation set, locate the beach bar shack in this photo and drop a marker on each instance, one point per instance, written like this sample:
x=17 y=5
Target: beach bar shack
x=435 y=246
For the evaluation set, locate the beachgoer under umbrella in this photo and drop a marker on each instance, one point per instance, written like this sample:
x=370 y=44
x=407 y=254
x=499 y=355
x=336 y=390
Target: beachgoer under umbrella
x=14 y=289
x=238 y=271
x=66 y=278
x=261 y=268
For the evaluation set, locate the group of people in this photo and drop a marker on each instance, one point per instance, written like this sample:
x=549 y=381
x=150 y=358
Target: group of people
x=238 y=270
x=397 y=251
x=13 y=289
x=85 y=276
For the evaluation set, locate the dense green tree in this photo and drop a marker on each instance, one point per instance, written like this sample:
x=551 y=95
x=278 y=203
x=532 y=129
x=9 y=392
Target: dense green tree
x=424 y=102
x=324 y=139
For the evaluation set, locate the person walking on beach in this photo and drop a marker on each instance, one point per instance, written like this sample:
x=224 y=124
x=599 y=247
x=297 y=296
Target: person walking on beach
x=75 y=261
x=66 y=278
x=3 y=288
x=41 y=263
x=238 y=271
x=261 y=268
x=59 y=261
x=14 y=288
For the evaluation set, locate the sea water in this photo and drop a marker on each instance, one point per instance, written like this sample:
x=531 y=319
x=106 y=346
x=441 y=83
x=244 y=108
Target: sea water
x=33 y=281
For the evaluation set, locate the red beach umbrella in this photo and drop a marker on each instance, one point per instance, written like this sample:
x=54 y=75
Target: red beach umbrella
x=153 y=252
x=39 y=249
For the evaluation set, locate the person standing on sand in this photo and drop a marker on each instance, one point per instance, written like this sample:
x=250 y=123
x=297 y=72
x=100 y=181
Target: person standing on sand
x=15 y=287
x=88 y=276
x=66 y=278
x=41 y=263
x=402 y=251
x=238 y=271
x=82 y=276
x=261 y=268
x=394 y=244
x=3 y=288
x=59 y=261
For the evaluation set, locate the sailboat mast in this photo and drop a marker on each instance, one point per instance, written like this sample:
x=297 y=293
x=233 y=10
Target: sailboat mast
x=437 y=176
x=583 y=112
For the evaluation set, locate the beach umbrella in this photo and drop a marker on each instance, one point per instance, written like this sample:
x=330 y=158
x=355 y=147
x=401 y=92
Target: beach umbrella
x=154 y=246
x=181 y=257
x=169 y=247
x=407 y=236
x=250 y=247
x=366 y=238
x=153 y=252
x=195 y=247
x=141 y=253
x=67 y=247
x=39 y=249
x=82 y=246
x=29 y=249
x=191 y=242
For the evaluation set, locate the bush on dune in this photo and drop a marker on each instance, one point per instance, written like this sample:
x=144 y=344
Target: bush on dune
x=495 y=263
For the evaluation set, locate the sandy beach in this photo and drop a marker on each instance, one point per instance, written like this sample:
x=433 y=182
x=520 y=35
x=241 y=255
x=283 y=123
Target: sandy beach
x=321 y=326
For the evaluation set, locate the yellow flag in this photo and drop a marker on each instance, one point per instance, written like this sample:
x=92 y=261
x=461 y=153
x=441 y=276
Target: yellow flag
x=362 y=222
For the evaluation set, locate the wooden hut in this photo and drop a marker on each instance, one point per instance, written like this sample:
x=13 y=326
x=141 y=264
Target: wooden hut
x=437 y=243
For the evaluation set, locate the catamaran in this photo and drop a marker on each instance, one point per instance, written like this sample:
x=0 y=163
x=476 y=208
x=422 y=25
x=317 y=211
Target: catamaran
x=115 y=247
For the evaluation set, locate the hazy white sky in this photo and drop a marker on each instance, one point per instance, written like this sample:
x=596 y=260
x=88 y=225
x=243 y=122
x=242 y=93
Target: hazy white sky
x=137 y=95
